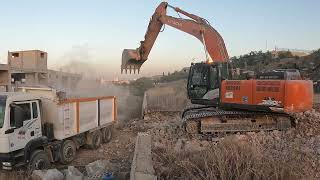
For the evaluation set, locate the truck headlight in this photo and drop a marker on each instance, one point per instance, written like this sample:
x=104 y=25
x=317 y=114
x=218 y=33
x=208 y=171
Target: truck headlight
x=6 y=163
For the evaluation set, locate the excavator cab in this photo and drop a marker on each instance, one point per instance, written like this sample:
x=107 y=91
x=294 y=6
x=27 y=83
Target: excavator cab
x=204 y=82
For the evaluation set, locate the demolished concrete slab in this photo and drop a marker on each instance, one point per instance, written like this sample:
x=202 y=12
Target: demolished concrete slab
x=167 y=97
x=50 y=174
x=73 y=173
x=99 y=168
x=142 y=168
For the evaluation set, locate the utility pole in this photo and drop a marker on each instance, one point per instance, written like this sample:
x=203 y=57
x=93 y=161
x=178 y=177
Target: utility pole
x=266 y=45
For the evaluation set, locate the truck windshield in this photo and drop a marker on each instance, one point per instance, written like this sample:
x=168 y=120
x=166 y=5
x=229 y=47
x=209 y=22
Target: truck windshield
x=2 y=109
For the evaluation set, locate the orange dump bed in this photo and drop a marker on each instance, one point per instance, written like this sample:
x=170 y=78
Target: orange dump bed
x=291 y=95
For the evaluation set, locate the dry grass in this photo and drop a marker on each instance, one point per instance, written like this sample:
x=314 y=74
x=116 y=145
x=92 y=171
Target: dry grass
x=229 y=159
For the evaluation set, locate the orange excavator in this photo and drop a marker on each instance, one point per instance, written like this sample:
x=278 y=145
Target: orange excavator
x=224 y=105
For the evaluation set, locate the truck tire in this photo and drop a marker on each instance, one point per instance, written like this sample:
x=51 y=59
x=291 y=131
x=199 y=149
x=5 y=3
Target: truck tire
x=106 y=134
x=68 y=152
x=94 y=139
x=39 y=160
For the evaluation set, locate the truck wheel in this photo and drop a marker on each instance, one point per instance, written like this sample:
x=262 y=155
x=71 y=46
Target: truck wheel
x=67 y=152
x=39 y=160
x=94 y=139
x=106 y=134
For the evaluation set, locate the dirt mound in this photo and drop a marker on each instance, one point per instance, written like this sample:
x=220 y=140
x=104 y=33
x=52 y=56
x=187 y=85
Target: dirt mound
x=307 y=124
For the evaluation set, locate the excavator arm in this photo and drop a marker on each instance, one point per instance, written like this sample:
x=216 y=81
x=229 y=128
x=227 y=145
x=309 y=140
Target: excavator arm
x=196 y=26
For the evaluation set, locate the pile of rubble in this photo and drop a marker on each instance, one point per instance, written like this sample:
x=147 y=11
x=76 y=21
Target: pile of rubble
x=317 y=107
x=308 y=123
x=95 y=170
x=297 y=148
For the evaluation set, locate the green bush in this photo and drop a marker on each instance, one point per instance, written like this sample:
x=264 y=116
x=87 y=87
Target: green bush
x=286 y=54
x=139 y=86
x=177 y=75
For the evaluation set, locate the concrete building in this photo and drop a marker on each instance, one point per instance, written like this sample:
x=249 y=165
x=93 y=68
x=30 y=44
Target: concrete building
x=5 y=77
x=29 y=68
x=294 y=52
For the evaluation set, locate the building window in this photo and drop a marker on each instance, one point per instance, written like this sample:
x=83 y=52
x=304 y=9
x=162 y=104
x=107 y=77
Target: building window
x=42 y=55
x=15 y=55
x=18 y=77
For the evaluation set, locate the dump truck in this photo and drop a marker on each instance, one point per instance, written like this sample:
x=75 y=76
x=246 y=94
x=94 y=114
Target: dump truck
x=39 y=126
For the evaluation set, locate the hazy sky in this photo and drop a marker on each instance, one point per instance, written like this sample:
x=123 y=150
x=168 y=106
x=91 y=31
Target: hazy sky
x=100 y=29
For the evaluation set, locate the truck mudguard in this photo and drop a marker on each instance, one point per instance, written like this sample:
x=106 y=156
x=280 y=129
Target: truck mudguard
x=37 y=143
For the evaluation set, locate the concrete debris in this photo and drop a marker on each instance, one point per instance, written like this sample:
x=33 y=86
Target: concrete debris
x=317 y=106
x=73 y=173
x=190 y=145
x=215 y=139
x=241 y=137
x=179 y=145
x=99 y=167
x=50 y=174
x=193 y=145
x=169 y=97
x=141 y=167
x=123 y=176
x=94 y=170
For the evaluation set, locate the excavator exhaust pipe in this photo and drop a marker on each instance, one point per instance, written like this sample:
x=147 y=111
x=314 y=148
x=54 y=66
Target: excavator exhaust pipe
x=131 y=61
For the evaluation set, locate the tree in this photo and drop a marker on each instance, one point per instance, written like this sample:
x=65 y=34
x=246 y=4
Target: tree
x=285 y=54
x=139 y=86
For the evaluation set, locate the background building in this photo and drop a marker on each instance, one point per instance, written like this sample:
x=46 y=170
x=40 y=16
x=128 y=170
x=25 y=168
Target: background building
x=29 y=68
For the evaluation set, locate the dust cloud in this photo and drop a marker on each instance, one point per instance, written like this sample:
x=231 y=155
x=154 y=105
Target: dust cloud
x=97 y=80
x=129 y=105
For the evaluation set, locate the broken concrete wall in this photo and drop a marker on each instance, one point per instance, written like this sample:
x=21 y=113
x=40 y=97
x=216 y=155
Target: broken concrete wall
x=168 y=97
x=142 y=168
x=31 y=60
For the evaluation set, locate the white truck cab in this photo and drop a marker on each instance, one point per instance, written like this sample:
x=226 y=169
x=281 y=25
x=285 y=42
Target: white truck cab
x=20 y=123
x=27 y=137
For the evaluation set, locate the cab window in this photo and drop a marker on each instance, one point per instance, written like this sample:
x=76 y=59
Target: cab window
x=24 y=113
x=213 y=78
x=34 y=110
x=199 y=76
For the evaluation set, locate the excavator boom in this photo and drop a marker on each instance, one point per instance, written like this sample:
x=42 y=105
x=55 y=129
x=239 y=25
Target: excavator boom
x=132 y=59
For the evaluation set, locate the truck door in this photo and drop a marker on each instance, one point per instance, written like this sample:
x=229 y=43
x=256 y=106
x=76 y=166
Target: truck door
x=26 y=122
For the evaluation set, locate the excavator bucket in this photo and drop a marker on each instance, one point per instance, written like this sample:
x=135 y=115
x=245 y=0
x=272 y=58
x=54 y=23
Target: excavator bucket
x=131 y=61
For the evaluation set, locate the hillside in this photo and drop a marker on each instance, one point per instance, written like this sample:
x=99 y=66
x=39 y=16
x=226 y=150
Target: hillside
x=258 y=61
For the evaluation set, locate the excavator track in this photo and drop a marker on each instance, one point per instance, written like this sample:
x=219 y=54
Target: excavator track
x=211 y=120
